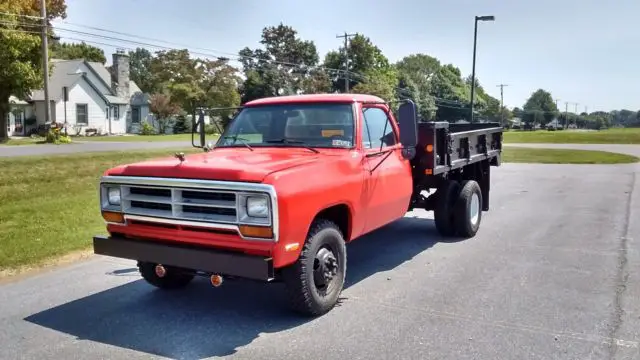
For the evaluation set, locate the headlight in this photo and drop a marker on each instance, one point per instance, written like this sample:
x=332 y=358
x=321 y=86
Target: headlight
x=113 y=195
x=257 y=207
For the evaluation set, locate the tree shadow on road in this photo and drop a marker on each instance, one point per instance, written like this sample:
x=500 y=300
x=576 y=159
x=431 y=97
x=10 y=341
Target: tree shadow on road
x=200 y=321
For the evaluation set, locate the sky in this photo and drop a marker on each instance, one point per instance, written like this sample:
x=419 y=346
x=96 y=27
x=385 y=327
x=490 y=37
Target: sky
x=582 y=51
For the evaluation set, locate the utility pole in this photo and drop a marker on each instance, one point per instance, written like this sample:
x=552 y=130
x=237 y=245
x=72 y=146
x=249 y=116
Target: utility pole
x=45 y=61
x=501 y=86
x=346 y=58
x=576 y=104
x=566 y=114
x=557 y=103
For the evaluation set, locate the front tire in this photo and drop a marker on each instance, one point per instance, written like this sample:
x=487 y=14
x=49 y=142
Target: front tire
x=173 y=279
x=468 y=209
x=314 y=282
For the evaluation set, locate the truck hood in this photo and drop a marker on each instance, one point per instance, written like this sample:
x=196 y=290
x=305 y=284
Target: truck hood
x=220 y=164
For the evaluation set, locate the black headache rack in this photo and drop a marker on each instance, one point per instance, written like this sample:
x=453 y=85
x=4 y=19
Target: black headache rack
x=443 y=147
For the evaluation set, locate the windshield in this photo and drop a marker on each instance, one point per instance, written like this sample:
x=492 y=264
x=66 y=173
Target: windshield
x=322 y=125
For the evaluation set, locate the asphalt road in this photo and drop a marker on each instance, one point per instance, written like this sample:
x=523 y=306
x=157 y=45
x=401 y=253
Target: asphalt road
x=89 y=146
x=552 y=274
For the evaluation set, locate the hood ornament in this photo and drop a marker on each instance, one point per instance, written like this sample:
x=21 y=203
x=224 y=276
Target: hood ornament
x=179 y=156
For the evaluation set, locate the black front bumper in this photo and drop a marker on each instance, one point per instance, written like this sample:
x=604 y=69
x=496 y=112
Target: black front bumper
x=188 y=257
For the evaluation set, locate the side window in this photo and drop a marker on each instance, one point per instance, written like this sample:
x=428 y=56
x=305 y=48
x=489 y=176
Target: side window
x=376 y=129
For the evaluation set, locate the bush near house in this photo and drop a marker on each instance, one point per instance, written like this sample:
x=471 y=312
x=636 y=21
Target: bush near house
x=147 y=129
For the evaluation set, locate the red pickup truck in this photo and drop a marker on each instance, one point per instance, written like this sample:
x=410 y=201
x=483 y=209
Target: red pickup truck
x=289 y=182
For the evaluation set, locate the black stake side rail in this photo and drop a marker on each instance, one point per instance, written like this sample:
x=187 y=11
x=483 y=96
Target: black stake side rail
x=451 y=149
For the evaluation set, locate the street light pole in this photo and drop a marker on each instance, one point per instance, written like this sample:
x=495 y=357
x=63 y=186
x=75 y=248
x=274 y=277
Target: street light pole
x=473 y=69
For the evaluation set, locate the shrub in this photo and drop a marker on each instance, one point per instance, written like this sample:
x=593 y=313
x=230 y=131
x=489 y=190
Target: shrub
x=147 y=128
x=55 y=137
x=182 y=124
x=209 y=129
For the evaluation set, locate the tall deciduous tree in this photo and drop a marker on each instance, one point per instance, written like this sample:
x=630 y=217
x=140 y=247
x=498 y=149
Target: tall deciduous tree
x=70 y=51
x=415 y=80
x=540 y=108
x=218 y=83
x=140 y=69
x=364 y=57
x=284 y=66
x=175 y=72
x=20 y=54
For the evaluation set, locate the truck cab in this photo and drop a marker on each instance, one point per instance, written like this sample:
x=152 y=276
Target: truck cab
x=285 y=187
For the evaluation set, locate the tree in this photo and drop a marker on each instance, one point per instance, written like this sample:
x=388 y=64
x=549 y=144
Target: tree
x=218 y=84
x=453 y=97
x=69 y=51
x=20 y=54
x=140 y=69
x=364 y=57
x=162 y=106
x=415 y=79
x=540 y=108
x=381 y=83
x=175 y=71
x=317 y=81
x=284 y=66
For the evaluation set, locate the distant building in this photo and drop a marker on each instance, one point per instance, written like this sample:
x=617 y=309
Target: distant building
x=108 y=102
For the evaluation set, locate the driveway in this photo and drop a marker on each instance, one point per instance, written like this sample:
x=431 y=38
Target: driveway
x=552 y=274
x=89 y=146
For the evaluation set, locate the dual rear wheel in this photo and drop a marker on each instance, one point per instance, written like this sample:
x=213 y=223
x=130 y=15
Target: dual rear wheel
x=458 y=209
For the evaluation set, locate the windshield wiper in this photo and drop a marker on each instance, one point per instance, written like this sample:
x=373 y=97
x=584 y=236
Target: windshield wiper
x=289 y=141
x=243 y=141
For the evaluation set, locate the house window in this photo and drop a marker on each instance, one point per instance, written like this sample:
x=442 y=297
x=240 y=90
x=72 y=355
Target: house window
x=116 y=112
x=135 y=115
x=82 y=114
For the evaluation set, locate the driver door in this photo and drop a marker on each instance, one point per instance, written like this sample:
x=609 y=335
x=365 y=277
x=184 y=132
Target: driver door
x=387 y=173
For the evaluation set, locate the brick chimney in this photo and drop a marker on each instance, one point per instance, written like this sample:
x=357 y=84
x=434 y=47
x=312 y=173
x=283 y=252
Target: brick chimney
x=120 y=74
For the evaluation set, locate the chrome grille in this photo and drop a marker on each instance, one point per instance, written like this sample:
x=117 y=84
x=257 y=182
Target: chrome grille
x=180 y=203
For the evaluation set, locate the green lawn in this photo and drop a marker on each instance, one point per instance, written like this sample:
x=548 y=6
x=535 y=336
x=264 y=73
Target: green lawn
x=564 y=156
x=140 y=138
x=126 y=138
x=611 y=136
x=49 y=205
x=24 y=141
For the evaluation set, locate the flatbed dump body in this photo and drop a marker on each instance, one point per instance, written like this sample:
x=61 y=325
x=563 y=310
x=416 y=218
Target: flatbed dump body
x=456 y=145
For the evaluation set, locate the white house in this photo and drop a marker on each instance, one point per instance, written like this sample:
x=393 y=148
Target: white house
x=105 y=101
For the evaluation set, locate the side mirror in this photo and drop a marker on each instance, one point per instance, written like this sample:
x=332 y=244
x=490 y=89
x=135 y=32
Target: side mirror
x=408 y=124
x=199 y=127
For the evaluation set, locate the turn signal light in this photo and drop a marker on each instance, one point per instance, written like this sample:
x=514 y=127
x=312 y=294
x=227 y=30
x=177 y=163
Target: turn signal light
x=429 y=148
x=256 y=231
x=216 y=280
x=113 y=217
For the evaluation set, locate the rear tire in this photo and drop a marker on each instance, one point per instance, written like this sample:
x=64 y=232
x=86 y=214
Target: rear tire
x=314 y=282
x=446 y=196
x=173 y=279
x=468 y=209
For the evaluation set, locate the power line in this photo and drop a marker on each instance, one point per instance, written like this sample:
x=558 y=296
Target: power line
x=206 y=54
x=442 y=102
